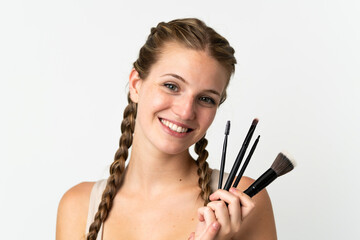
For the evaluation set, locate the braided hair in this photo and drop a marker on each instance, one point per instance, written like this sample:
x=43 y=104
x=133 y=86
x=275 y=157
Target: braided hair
x=191 y=33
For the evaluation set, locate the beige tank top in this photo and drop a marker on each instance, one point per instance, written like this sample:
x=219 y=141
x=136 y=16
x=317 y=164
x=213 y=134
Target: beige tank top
x=99 y=186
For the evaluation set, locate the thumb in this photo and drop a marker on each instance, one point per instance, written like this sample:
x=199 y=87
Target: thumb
x=211 y=231
x=192 y=235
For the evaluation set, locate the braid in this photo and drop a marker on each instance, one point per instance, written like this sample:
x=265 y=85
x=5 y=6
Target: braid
x=194 y=34
x=116 y=169
x=204 y=172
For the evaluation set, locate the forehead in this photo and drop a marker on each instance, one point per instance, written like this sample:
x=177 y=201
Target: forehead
x=195 y=66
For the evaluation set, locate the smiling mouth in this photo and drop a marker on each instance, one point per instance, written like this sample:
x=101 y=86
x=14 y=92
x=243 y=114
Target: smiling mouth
x=174 y=127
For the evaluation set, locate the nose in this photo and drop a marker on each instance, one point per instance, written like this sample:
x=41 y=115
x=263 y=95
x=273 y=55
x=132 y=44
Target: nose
x=184 y=108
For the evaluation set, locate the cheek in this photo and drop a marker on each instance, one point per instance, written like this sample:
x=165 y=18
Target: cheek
x=160 y=101
x=207 y=118
x=152 y=101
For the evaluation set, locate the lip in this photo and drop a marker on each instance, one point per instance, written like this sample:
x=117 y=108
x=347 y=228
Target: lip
x=177 y=123
x=173 y=133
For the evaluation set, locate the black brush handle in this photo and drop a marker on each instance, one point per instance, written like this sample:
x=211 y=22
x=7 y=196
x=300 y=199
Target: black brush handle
x=222 y=166
x=262 y=182
x=239 y=158
x=223 y=156
x=242 y=170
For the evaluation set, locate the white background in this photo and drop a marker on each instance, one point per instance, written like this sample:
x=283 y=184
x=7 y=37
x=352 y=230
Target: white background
x=64 y=66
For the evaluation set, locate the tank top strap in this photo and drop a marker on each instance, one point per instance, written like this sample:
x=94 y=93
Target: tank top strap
x=95 y=199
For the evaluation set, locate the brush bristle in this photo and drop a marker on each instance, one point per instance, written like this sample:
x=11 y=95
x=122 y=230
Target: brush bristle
x=255 y=121
x=282 y=164
x=227 y=128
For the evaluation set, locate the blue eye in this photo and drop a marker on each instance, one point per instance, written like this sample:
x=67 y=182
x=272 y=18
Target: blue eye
x=207 y=100
x=171 y=86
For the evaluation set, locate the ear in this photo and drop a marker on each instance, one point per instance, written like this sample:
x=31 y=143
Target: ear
x=134 y=85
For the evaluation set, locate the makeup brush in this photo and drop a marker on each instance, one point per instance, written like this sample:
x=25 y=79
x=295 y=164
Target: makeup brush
x=240 y=155
x=281 y=165
x=223 y=156
x=247 y=160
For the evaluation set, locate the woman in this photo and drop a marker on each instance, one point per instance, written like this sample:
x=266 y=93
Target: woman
x=175 y=88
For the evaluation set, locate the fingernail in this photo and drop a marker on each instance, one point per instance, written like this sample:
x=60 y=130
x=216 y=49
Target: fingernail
x=232 y=189
x=216 y=225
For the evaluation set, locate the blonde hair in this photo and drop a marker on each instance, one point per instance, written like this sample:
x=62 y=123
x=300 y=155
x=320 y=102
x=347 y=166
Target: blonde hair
x=191 y=33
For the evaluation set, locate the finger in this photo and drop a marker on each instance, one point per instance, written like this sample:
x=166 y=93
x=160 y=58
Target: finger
x=233 y=201
x=201 y=214
x=192 y=236
x=206 y=214
x=211 y=231
x=224 y=195
x=247 y=204
x=221 y=212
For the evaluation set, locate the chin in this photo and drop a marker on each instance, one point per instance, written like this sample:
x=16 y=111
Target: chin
x=173 y=149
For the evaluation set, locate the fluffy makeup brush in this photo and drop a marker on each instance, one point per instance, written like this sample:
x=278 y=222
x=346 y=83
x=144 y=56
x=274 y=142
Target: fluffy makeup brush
x=281 y=165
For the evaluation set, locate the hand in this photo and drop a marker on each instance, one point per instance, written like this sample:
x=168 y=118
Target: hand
x=207 y=227
x=229 y=217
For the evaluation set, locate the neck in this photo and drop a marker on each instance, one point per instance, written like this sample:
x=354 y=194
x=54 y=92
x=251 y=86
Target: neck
x=156 y=172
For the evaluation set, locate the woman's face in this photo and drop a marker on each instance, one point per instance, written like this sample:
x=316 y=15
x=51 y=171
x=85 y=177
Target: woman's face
x=178 y=100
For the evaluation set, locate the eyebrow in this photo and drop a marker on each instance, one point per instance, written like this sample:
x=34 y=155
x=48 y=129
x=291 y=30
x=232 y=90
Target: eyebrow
x=183 y=80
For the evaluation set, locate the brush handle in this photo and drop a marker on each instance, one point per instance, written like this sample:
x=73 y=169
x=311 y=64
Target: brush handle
x=222 y=166
x=262 y=182
x=239 y=158
x=242 y=170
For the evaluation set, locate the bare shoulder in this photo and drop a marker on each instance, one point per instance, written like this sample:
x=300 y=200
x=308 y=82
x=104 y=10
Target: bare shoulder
x=72 y=212
x=262 y=217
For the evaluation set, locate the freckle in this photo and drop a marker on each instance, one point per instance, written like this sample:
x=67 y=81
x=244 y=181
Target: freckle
x=173 y=226
x=192 y=219
x=180 y=179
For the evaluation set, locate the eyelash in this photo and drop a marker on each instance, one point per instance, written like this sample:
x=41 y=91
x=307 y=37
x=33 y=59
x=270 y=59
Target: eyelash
x=206 y=100
x=171 y=87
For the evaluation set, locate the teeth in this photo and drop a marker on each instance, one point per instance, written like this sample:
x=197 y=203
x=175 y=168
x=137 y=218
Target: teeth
x=174 y=127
